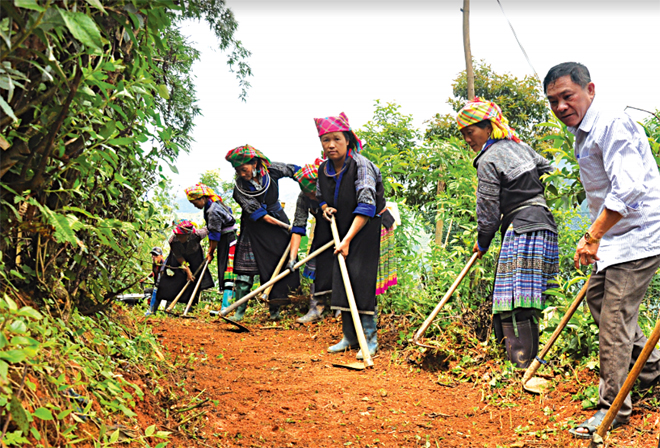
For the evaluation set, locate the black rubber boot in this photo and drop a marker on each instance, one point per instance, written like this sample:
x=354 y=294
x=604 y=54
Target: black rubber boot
x=274 y=310
x=521 y=339
x=349 y=340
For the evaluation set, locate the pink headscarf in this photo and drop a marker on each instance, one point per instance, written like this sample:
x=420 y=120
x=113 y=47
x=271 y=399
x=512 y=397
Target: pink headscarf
x=337 y=124
x=183 y=227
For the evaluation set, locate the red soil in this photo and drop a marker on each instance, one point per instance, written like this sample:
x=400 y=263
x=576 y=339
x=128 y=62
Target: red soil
x=278 y=388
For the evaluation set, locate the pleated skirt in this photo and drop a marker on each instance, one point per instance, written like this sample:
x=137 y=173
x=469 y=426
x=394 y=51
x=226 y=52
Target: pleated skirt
x=387 y=273
x=527 y=264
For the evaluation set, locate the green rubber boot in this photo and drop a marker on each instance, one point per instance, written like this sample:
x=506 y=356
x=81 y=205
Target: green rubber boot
x=241 y=289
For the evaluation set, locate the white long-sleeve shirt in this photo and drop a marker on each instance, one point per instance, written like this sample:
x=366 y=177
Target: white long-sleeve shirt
x=619 y=173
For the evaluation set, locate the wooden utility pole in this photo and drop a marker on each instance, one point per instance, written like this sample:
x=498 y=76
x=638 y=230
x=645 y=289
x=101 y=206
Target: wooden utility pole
x=470 y=93
x=466 y=48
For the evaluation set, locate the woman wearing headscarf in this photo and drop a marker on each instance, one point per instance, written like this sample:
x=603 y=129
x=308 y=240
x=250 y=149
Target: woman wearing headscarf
x=510 y=197
x=318 y=269
x=350 y=188
x=185 y=257
x=221 y=226
x=264 y=233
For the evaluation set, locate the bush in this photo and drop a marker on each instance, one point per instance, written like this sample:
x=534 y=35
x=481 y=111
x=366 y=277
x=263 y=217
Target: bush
x=56 y=375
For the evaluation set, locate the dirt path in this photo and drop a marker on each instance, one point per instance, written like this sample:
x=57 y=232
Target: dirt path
x=277 y=388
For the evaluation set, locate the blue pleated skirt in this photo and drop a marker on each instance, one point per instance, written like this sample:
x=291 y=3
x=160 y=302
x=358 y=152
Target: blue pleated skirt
x=527 y=264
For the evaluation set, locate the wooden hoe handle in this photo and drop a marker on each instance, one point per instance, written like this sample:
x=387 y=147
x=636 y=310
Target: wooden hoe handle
x=176 y=299
x=438 y=307
x=536 y=363
x=599 y=435
x=351 y=299
x=285 y=257
x=199 y=282
x=279 y=277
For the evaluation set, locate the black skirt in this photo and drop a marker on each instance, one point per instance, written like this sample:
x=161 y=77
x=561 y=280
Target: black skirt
x=364 y=251
x=325 y=260
x=170 y=286
x=268 y=243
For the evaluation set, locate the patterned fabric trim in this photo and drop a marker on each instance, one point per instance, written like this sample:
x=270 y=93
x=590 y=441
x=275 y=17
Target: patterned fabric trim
x=337 y=124
x=199 y=190
x=387 y=272
x=307 y=175
x=229 y=273
x=243 y=154
x=527 y=264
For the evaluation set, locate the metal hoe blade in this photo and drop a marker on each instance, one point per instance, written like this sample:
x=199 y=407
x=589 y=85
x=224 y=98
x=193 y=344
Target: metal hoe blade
x=537 y=385
x=238 y=325
x=350 y=366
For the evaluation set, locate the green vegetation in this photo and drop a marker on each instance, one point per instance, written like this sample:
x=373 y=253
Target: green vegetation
x=58 y=375
x=96 y=99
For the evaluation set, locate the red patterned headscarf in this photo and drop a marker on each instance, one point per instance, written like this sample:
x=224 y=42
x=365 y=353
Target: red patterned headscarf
x=337 y=124
x=479 y=110
x=183 y=227
x=199 y=190
x=243 y=154
x=307 y=175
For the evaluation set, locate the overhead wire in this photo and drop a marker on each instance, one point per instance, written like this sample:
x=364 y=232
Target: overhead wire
x=518 y=40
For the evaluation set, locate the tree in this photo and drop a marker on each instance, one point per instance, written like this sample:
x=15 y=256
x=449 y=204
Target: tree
x=411 y=166
x=96 y=97
x=521 y=101
x=224 y=189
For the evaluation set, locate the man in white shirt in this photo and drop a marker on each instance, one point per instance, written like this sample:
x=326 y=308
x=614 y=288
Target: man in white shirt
x=622 y=185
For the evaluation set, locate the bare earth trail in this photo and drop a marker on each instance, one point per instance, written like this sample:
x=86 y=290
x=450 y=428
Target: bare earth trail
x=277 y=388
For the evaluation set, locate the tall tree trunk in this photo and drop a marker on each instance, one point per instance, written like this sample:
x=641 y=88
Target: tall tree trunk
x=468 y=53
x=439 y=223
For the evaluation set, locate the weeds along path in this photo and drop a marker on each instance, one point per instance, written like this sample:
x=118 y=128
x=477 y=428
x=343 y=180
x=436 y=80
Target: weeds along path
x=277 y=388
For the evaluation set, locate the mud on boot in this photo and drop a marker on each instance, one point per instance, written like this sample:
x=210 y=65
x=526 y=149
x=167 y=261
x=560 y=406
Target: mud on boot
x=521 y=339
x=349 y=340
x=315 y=312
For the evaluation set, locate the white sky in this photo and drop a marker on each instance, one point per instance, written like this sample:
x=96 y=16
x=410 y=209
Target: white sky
x=313 y=59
